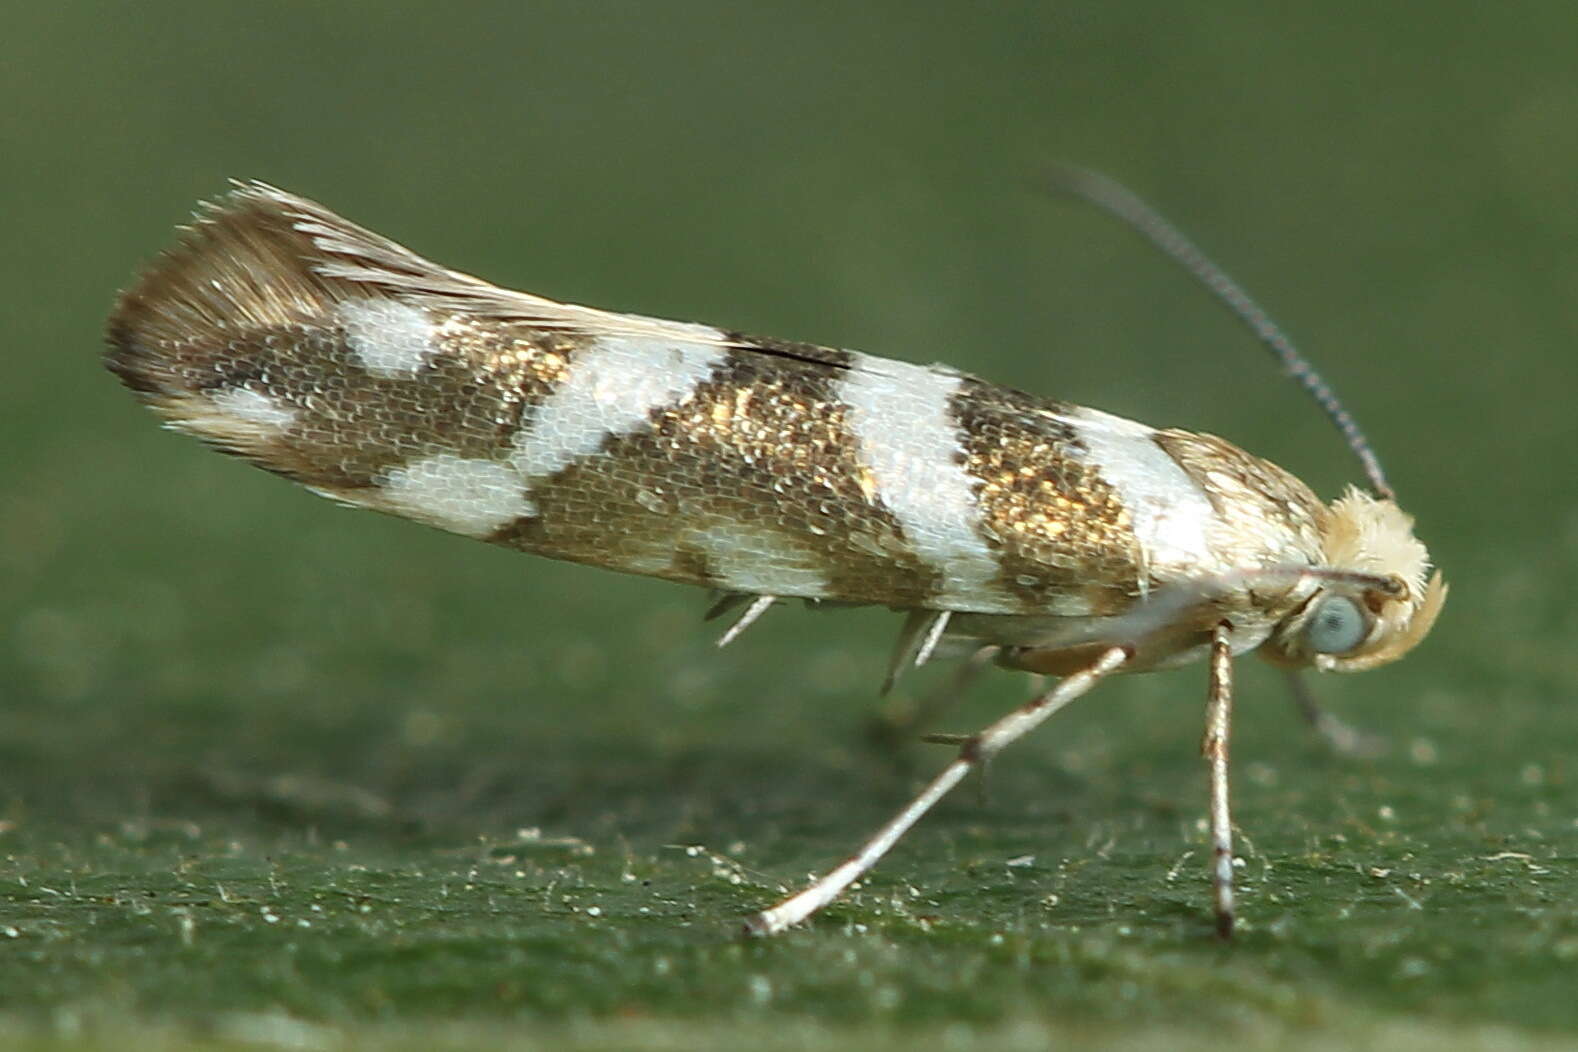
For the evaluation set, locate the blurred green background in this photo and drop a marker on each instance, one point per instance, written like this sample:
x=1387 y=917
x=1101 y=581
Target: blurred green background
x=278 y=773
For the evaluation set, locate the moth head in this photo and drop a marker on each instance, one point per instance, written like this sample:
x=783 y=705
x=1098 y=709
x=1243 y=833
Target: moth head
x=1375 y=597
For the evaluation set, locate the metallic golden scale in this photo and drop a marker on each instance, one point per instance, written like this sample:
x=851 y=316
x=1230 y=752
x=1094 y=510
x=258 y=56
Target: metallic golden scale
x=1047 y=536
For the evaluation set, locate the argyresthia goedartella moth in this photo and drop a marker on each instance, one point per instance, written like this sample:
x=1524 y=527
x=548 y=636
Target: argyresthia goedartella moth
x=1047 y=536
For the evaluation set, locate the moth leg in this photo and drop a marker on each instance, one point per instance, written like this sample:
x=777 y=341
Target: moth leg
x=758 y=606
x=898 y=722
x=1337 y=733
x=1214 y=747
x=974 y=752
x=917 y=642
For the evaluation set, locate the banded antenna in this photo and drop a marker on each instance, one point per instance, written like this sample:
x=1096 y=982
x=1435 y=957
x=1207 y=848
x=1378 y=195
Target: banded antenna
x=1119 y=201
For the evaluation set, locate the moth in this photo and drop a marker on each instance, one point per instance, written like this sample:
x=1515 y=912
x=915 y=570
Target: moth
x=1046 y=536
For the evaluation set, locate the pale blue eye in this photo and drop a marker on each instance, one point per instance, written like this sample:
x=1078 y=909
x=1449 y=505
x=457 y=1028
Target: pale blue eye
x=1336 y=626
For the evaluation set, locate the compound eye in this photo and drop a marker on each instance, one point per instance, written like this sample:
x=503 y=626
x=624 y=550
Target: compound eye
x=1336 y=626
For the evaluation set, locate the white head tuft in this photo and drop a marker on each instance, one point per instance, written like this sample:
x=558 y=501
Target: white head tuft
x=1371 y=535
x=1388 y=609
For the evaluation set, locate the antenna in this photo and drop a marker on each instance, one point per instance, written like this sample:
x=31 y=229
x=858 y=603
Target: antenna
x=1117 y=200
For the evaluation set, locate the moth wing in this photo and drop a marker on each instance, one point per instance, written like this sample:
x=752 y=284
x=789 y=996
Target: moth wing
x=317 y=349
